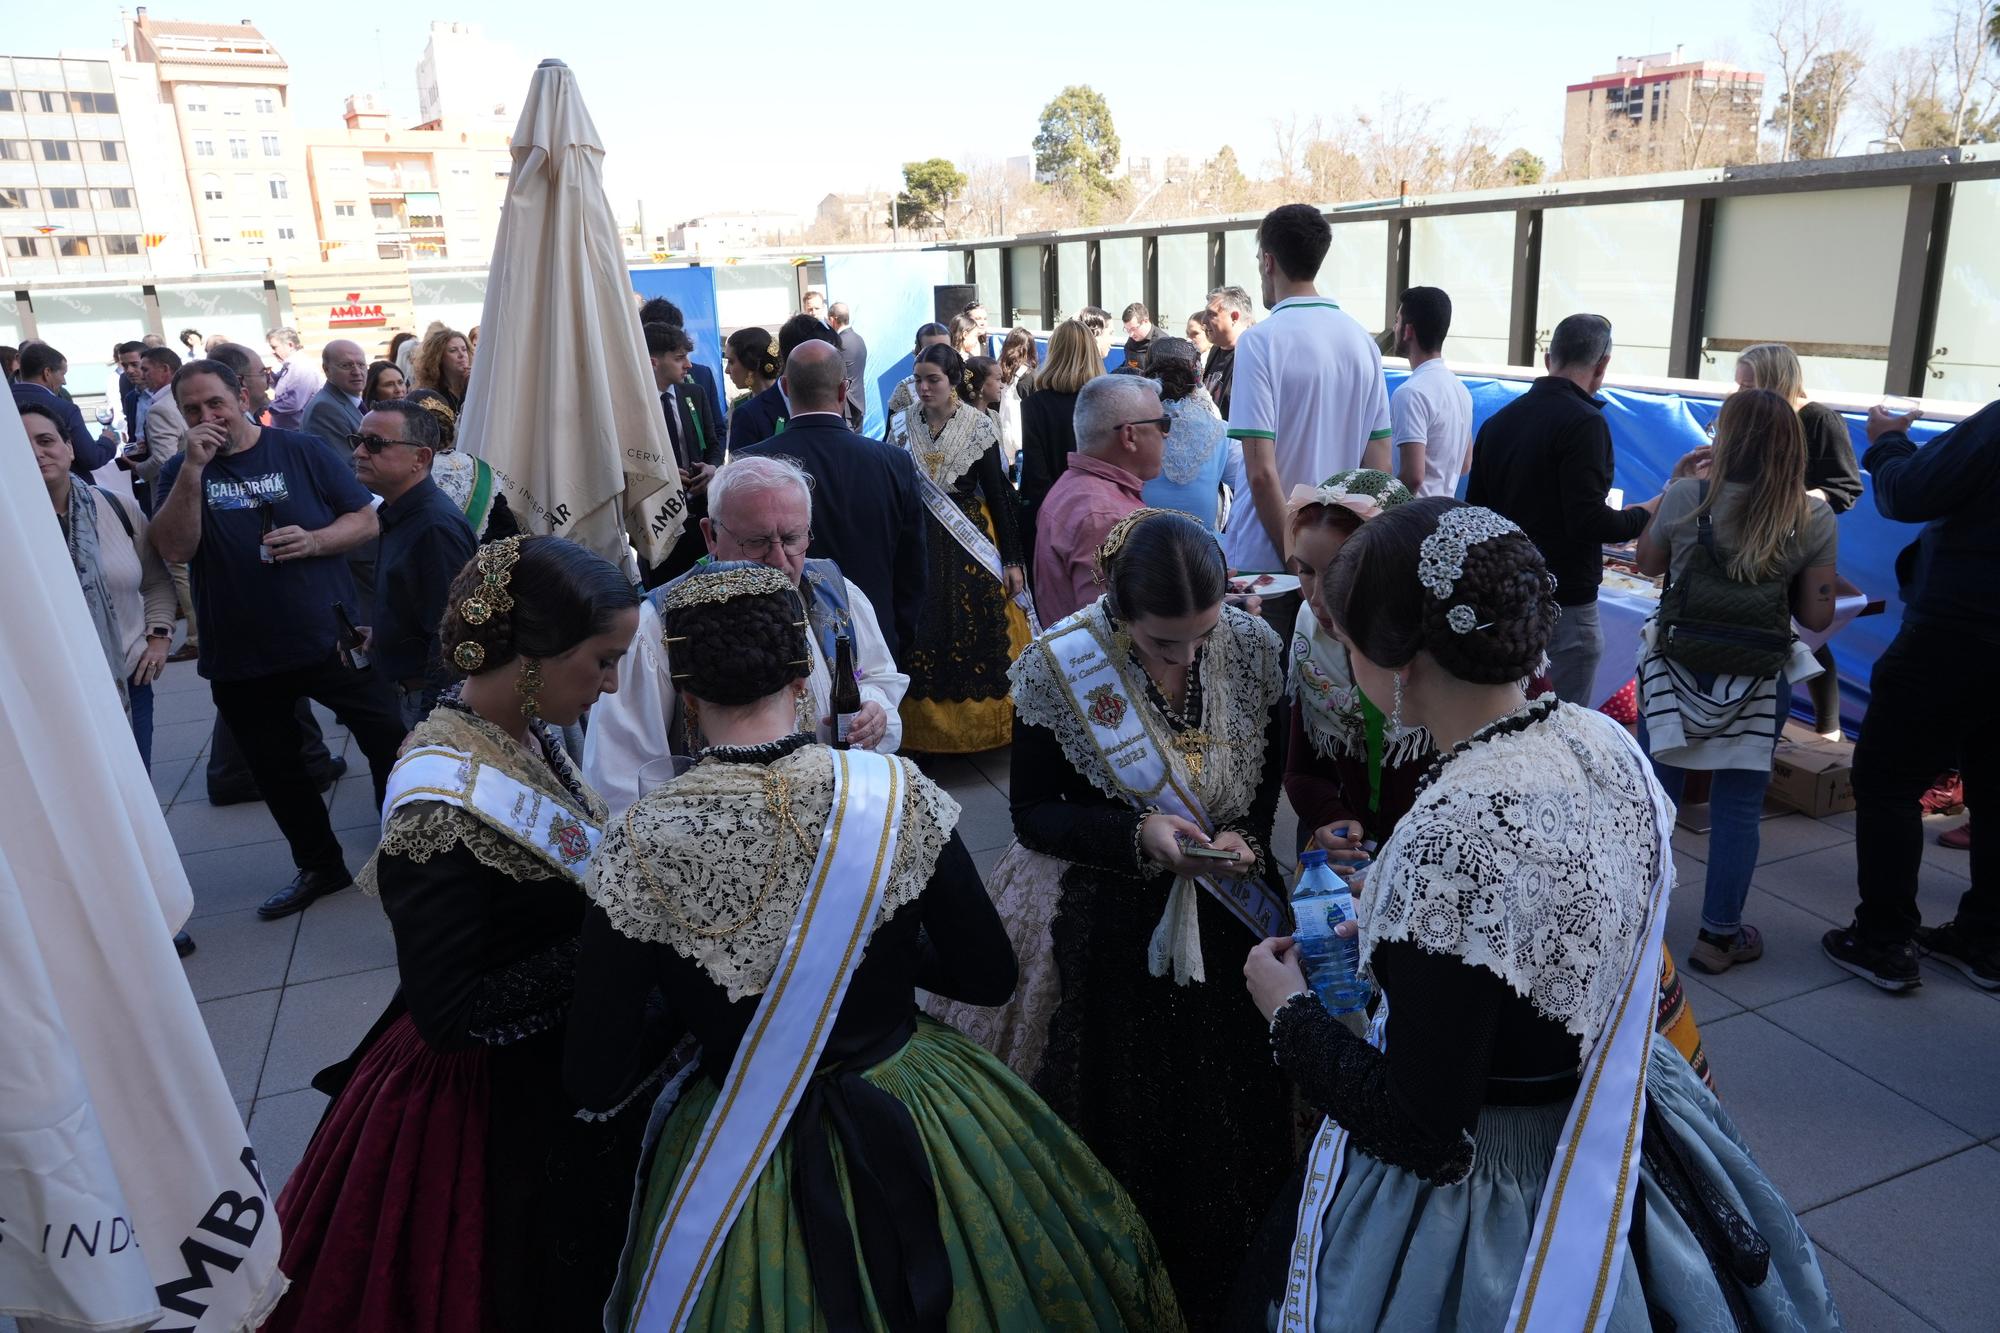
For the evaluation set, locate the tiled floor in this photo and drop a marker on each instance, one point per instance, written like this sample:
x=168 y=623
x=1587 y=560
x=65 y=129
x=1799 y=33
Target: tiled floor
x=1877 y=1115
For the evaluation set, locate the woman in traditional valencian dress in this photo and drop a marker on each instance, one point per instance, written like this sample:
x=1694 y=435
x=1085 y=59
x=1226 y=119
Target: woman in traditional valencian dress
x=832 y=1160
x=1150 y=722
x=451 y=1187
x=1481 y=1154
x=904 y=395
x=972 y=626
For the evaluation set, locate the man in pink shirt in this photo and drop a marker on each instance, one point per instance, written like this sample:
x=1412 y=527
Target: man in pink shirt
x=1121 y=432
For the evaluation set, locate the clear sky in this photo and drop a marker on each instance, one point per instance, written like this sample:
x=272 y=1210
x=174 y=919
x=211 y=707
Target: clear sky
x=725 y=106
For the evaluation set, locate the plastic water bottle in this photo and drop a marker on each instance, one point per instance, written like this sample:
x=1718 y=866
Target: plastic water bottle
x=1321 y=901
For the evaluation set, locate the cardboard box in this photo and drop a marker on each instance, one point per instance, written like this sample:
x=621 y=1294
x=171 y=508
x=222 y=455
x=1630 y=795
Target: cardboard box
x=1814 y=777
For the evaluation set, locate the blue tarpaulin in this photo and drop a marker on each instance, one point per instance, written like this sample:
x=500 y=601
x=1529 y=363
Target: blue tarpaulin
x=693 y=290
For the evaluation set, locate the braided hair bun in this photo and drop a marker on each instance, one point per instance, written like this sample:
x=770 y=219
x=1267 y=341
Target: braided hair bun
x=557 y=595
x=1374 y=593
x=736 y=649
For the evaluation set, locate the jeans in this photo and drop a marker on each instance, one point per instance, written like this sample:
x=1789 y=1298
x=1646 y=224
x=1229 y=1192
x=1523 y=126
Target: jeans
x=1931 y=705
x=262 y=714
x=1574 y=650
x=1735 y=825
x=142 y=720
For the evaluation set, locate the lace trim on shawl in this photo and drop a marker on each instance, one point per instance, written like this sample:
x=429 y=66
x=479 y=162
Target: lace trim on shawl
x=423 y=829
x=1241 y=677
x=1198 y=432
x=964 y=441
x=693 y=857
x=1532 y=855
x=1329 y=701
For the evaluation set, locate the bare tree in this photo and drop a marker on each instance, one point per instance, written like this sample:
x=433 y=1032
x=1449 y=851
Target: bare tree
x=1931 y=96
x=1966 y=60
x=1800 y=32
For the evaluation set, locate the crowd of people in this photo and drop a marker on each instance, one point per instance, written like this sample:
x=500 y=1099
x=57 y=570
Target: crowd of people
x=706 y=1015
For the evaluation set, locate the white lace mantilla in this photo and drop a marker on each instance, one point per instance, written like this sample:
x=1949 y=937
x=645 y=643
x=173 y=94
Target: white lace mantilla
x=688 y=863
x=963 y=442
x=1242 y=675
x=1198 y=432
x=1532 y=855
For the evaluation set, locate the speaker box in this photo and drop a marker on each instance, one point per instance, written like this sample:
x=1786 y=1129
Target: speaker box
x=951 y=298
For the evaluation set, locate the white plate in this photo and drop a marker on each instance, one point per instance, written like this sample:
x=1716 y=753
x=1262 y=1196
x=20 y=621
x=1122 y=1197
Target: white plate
x=1277 y=586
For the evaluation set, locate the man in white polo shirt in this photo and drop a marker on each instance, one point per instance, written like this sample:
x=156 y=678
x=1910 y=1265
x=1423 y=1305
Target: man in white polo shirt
x=1308 y=394
x=1430 y=412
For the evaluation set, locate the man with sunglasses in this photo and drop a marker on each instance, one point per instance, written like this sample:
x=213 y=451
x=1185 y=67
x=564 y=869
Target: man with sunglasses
x=1121 y=436
x=425 y=542
x=760 y=509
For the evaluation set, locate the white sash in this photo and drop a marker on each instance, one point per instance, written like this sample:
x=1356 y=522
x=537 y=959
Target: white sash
x=977 y=545
x=1569 y=1280
x=534 y=819
x=782 y=1045
x=1139 y=763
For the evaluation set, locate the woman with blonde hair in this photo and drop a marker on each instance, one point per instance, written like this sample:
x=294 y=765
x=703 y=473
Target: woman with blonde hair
x=1745 y=551
x=1048 y=436
x=443 y=363
x=1831 y=474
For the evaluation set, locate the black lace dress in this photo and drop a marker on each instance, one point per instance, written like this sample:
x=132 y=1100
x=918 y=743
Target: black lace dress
x=1171 y=1086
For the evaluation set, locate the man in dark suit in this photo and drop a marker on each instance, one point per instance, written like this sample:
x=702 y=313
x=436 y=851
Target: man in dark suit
x=769 y=413
x=868 y=515
x=659 y=310
x=335 y=411
x=855 y=349
x=696 y=437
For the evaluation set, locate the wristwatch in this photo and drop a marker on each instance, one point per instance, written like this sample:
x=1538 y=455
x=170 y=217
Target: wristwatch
x=160 y=632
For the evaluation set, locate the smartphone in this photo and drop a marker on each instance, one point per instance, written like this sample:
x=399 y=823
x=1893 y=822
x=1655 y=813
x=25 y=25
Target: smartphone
x=1201 y=853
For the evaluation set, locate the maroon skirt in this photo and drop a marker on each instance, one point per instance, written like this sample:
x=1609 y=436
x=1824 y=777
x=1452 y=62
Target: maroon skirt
x=384 y=1221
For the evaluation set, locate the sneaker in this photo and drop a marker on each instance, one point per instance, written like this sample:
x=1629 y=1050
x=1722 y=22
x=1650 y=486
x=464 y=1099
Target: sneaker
x=1958 y=839
x=1946 y=796
x=1716 y=954
x=1892 y=966
x=1955 y=947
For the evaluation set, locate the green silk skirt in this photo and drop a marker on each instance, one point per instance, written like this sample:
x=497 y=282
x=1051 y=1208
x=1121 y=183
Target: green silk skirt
x=1038 y=1233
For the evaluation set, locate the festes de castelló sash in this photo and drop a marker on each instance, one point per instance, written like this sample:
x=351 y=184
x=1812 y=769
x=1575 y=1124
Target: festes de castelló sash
x=558 y=833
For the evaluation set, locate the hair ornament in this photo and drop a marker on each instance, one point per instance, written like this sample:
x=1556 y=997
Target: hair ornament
x=1114 y=541
x=1441 y=557
x=710 y=585
x=496 y=568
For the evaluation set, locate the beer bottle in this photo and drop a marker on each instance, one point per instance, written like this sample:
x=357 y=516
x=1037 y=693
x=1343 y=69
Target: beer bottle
x=844 y=698
x=352 y=655
x=267 y=521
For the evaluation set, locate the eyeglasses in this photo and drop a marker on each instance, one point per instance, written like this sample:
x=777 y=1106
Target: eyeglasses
x=374 y=444
x=757 y=548
x=1166 y=424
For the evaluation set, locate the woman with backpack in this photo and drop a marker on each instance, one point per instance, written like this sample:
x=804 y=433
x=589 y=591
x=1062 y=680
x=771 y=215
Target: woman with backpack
x=1745 y=550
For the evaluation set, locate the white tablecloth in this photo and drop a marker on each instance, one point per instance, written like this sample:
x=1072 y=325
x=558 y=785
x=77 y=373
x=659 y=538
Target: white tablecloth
x=1625 y=604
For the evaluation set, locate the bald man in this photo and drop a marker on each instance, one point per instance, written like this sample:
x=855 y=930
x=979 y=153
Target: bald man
x=335 y=411
x=868 y=514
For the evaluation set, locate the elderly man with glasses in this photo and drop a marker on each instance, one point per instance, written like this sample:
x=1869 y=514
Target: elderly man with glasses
x=425 y=542
x=759 y=509
x=1121 y=436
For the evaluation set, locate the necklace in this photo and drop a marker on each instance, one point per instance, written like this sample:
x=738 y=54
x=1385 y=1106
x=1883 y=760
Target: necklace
x=778 y=802
x=1184 y=728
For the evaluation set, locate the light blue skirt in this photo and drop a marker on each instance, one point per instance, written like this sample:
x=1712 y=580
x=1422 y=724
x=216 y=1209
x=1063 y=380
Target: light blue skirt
x=1401 y=1254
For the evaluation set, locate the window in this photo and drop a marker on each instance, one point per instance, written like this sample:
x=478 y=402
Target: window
x=89 y=104
x=238 y=148
x=265 y=106
x=383 y=212
x=343 y=210
x=49 y=103
x=17 y=198
x=65 y=198
x=110 y=149
x=220 y=240
x=121 y=245
x=27 y=247
x=55 y=150
x=6 y=99
x=194 y=105
x=253 y=233
x=232 y=113
x=279 y=189
x=287 y=234
x=270 y=145
x=204 y=146
x=13 y=150
x=119 y=198
x=76 y=247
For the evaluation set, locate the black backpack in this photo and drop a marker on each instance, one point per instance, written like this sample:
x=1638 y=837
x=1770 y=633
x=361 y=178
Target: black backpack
x=1713 y=623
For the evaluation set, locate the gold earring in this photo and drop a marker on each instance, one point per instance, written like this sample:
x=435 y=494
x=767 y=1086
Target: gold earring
x=528 y=685
x=807 y=722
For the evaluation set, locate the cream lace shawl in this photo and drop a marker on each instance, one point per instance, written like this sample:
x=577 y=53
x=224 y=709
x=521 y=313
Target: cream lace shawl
x=1241 y=677
x=424 y=829
x=693 y=857
x=1329 y=701
x=964 y=441
x=1532 y=854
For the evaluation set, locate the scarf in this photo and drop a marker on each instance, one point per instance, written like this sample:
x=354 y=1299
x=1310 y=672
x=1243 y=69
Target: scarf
x=84 y=554
x=1338 y=719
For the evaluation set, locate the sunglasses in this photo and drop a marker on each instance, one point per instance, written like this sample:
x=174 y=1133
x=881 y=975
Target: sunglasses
x=1166 y=424
x=374 y=444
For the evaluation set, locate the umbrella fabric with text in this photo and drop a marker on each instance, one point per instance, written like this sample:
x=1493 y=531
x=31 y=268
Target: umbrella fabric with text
x=562 y=401
x=129 y=1194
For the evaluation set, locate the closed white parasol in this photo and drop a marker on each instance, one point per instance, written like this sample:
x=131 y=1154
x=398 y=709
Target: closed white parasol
x=562 y=401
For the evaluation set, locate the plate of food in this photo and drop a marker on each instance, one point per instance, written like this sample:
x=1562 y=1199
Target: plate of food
x=1263 y=585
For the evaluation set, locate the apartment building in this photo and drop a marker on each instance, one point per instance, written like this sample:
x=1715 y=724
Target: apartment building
x=1661 y=112
x=380 y=192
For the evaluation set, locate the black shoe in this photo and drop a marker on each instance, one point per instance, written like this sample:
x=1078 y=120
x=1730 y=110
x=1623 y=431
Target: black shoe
x=332 y=773
x=302 y=891
x=234 y=796
x=183 y=944
x=1892 y=966
x=1954 y=946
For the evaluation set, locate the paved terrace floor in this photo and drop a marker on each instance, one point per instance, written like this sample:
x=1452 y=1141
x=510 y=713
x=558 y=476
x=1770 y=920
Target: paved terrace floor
x=1877 y=1115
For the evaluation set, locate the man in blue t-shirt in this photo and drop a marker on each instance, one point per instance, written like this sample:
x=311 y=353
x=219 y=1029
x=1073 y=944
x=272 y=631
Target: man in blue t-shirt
x=263 y=517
